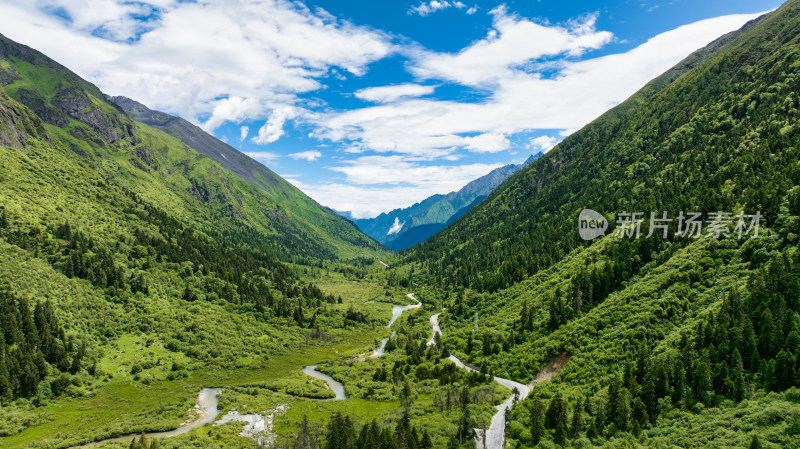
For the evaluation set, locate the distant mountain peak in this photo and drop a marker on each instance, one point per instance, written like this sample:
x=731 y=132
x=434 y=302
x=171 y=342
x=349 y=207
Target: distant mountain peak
x=405 y=227
x=532 y=158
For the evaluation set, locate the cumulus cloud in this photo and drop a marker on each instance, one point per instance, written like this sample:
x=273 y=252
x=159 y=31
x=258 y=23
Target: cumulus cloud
x=387 y=94
x=273 y=127
x=310 y=156
x=427 y=8
x=396 y=227
x=243 y=132
x=519 y=99
x=209 y=62
x=487 y=143
x=543 y=143
x=511 y=43
x=398 y=170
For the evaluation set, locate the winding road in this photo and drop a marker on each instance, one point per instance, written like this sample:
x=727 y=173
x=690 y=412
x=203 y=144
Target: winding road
x=495 y=434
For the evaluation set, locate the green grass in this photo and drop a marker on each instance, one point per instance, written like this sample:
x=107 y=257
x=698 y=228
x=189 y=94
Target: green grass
x=123 y=406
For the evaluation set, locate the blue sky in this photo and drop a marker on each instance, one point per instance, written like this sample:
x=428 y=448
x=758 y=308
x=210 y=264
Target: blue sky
x=372 y=105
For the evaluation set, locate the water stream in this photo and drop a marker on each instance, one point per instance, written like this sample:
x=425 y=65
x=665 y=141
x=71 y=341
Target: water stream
x=336 y=386
x=206 y=405
x=257 y=425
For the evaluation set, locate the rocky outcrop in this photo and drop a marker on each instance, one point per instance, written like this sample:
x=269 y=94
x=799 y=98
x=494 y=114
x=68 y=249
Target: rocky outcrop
x=76 y=103
x=18 y=124
x=73 y=97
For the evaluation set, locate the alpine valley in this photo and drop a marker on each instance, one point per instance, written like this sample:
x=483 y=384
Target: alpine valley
x=160 y=289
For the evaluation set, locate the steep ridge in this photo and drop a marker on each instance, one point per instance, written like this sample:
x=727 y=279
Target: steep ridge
x=227 y=156
x=403 y=228
x=230 y=186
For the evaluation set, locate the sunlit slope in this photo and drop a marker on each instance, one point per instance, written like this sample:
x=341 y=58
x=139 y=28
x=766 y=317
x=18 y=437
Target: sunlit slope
x=164 y=170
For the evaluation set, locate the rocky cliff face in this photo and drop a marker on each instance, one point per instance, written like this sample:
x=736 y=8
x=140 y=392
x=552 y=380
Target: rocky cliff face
x=67 y=99
x=17 y=124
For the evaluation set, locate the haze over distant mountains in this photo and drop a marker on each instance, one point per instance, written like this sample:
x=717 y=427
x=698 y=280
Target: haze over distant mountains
x=405 y=227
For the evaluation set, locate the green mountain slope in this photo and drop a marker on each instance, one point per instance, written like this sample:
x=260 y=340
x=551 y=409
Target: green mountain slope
x=176 y=175
x=677 y=342
x=134 y=270
x=403 y=228
x=311 y=217
x=534 y=214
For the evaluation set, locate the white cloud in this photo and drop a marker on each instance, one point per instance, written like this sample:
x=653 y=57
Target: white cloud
x=543 y=143
x=487 y=143
x=387 y=94
x=243 y=132
x=273 y=127
x=410 y=185
x=310 y=156
x=511 y=43
x=399 y=170
x=472 y=10
x=396 y=227
x=518 y=98
x=227 y=61
x=426 y=8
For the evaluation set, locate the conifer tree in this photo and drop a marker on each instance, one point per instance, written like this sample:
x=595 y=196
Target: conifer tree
x=304 y=439
x=560 y=435
x=556 y=412
x=578 y=422
x=537 y=421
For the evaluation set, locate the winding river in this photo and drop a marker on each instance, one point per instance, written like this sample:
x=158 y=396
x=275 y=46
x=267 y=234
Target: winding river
x=336 y=386
x=495 y=434
x=206 y=402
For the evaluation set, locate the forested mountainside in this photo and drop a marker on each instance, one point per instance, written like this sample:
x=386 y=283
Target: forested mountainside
x=129 y=258
x=403 y=228
x=685 y=341
x=599 y=166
